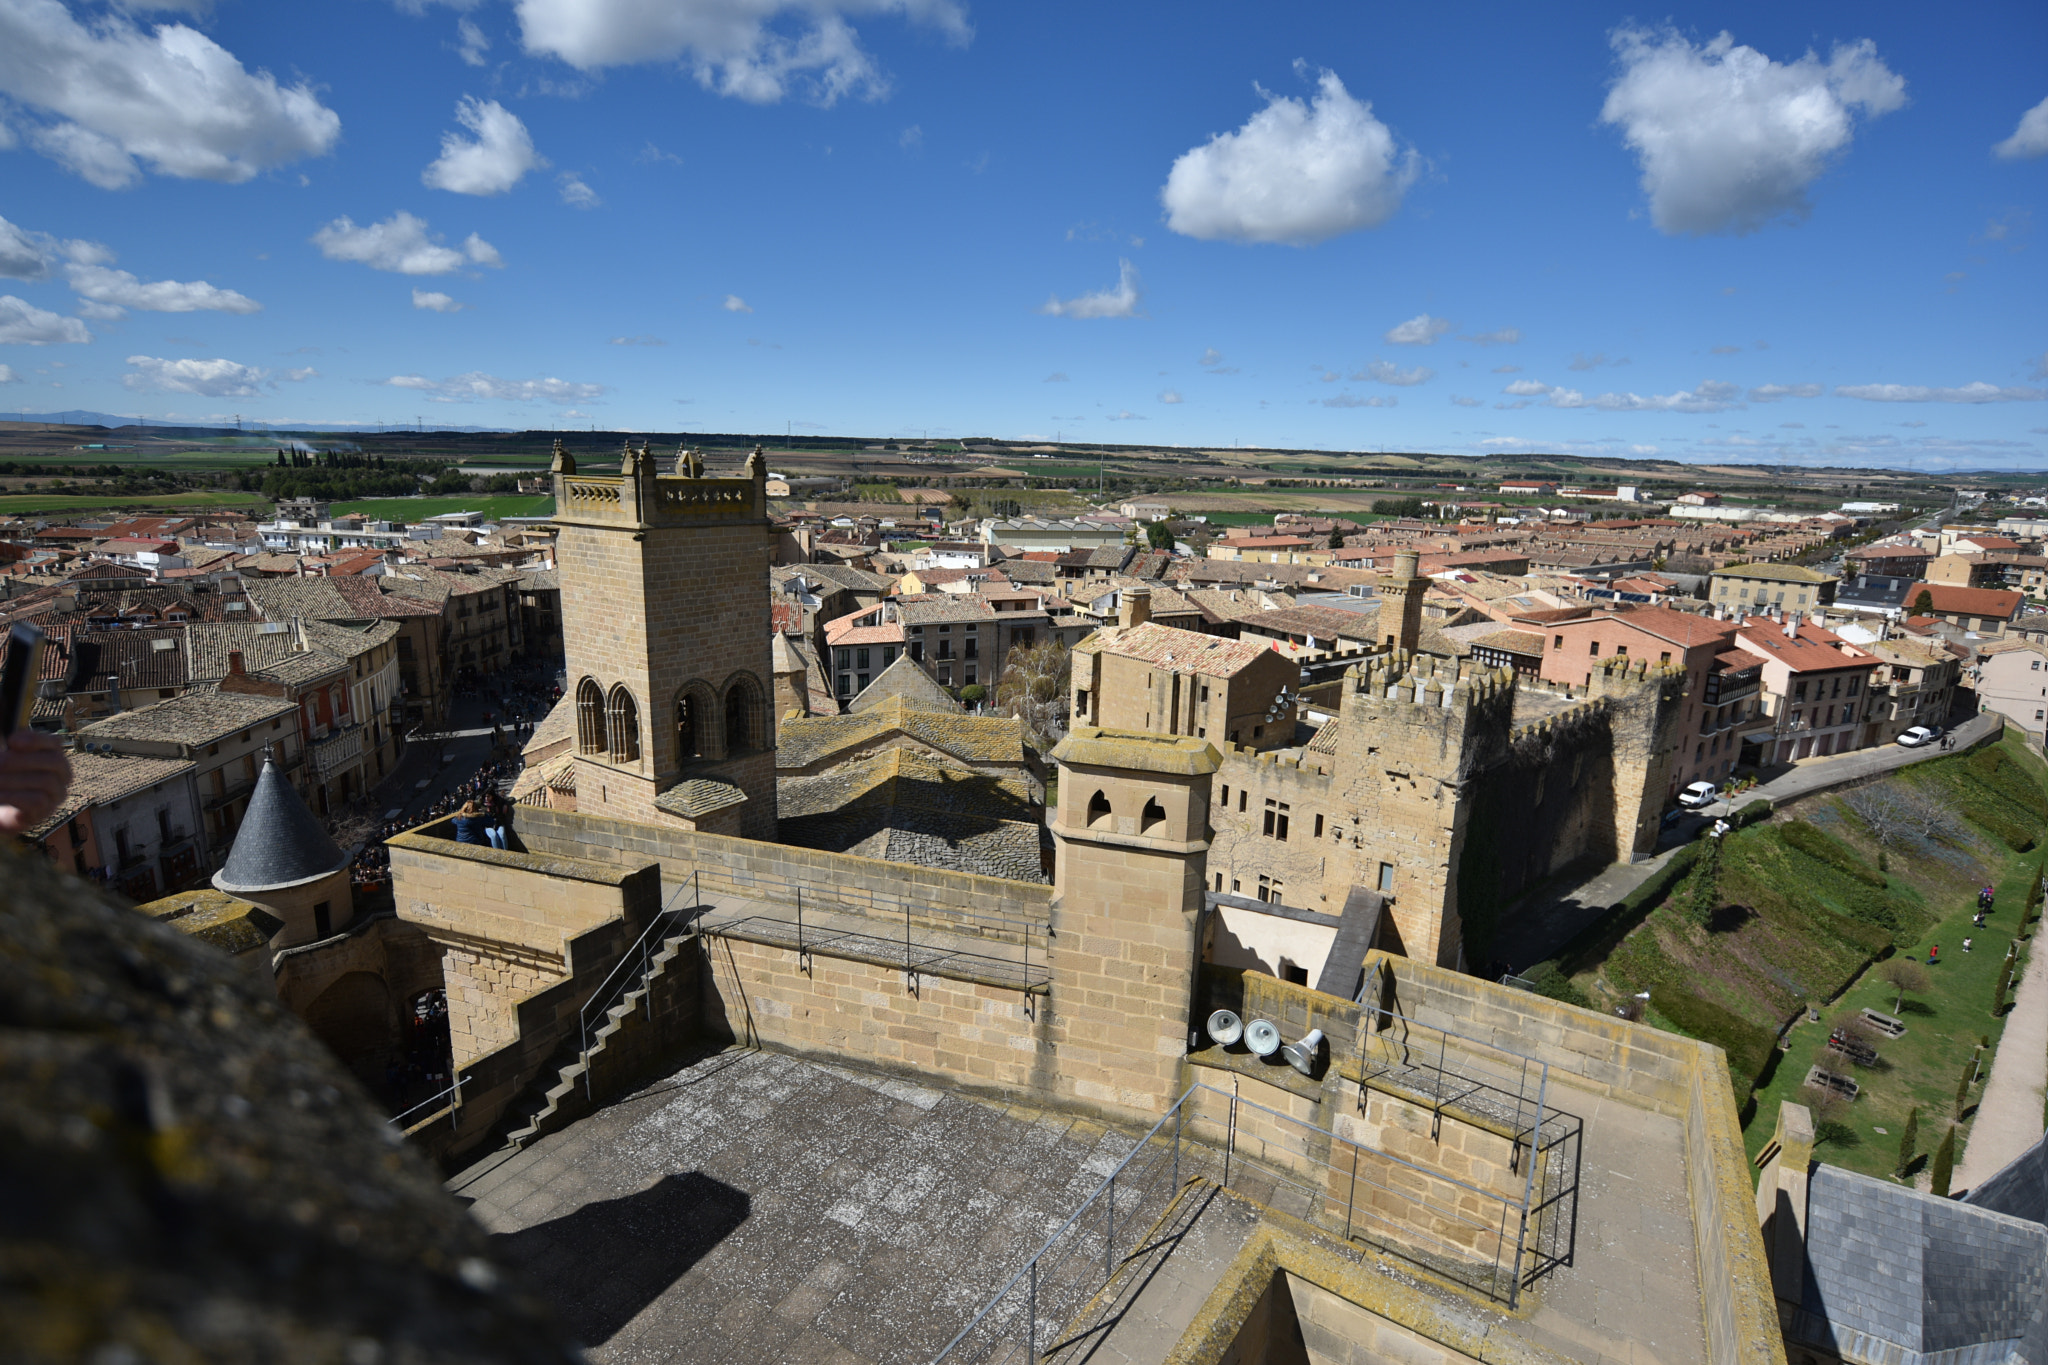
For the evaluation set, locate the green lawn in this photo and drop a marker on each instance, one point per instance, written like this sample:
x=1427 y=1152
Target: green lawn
x=418 y=509
x=1943 y=1029
x=29 y=503
x=221 y=458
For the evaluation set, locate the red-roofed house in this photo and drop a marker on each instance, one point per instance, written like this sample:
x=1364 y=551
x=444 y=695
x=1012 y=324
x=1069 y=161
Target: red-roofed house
x=1815 y=692
x=1985 y=610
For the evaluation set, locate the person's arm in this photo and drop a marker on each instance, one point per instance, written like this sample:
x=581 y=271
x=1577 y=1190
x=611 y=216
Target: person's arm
x=35 y=773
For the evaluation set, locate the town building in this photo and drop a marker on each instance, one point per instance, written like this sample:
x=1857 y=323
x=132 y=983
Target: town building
x=1815 y=699
x=129 y=821
x=1986 y=611
x=1746 y=588
x=224 y=735
x=2012 y=679
x=1143 y=676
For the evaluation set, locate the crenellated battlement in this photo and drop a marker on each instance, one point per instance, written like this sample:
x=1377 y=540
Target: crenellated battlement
x=639 y=495
x=1622 y=676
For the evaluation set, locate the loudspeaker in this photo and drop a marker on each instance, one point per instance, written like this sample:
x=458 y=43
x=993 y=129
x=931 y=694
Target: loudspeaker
x=1262 y=1036
x=1302 y=1056
x=1225 y=1027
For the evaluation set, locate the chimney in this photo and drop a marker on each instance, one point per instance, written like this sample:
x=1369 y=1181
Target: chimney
x=1133 y=606
x=235 y=666
x=1792 y=626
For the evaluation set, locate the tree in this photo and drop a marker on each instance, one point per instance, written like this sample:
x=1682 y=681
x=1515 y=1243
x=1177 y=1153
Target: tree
x=1159 y=536
x=1829 y=1111
x=1906 y=976
x=1034 y=688
x=1963 y=1086
x=1909 y=1142
x=1923 y=605
x=1336 y=538
x=1944 y=1162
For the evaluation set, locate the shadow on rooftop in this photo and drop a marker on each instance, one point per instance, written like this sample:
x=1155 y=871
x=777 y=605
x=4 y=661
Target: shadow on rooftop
x=608 y=1260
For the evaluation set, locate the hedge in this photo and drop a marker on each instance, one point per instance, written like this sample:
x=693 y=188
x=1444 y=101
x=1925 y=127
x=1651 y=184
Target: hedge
x=1819 y=846
x=1749 y=1046
x=1991 y=767
x=1759 y=809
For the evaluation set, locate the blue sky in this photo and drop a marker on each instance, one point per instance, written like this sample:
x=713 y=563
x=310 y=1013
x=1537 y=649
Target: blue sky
x=1817 y=239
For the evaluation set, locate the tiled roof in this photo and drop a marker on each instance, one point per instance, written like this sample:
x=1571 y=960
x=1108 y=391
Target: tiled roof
x=699 y=796
x=1736 y=660
x=2020 y=1190
x=804 y=741
x=195 y=718
x=1183 y=651
x=1682 y=628
x=1776 y=573
x=1329 y=622
x=1812 y=650
x=541 y=580
x=1962 y=601
x=1510 y=641
x=260 y=648
x=557 y=725
x=905 y=682
x=97 y=779
x=145 y=659
x=280 y=842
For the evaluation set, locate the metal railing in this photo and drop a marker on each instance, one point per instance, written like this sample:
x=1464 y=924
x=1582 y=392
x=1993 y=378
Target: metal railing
x=891 y=931
x=641 y=954
x=453 y=1094
x=1495 y=1243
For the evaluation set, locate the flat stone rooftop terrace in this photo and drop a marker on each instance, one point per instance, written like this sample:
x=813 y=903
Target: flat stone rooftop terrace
x=756 y=1207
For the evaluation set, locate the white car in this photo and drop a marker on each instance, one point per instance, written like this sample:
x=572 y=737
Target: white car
x=1919 y=735
x=1699 y=795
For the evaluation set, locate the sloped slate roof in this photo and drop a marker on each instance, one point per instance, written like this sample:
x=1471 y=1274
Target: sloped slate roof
x=2020 y=1190
x=801 y=741
x=907 y=682
x=699 y=796
x=1900 y=1275
x=280 y=842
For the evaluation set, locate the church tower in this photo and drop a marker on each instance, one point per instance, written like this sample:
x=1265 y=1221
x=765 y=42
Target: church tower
x=665 y=599
x=1401 y=594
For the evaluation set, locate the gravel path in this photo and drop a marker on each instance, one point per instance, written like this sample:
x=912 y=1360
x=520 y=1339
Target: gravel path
x=2009 y=1114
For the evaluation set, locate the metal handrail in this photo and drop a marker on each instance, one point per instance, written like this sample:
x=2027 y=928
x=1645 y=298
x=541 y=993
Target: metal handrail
x=454 y=1107
x=601 y=1001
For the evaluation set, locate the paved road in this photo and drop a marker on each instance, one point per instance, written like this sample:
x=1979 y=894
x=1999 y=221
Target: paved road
x=2009 y=1111
x=1546 y=923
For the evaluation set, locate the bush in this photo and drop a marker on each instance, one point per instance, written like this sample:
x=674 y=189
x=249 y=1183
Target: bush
x=1991 y=767
x=1944 y=1162
x=1552 y=984
x=1759 y=809
x=1909 y=1142
x=1749 y=1046
x=972 y=693
x=1823 y=848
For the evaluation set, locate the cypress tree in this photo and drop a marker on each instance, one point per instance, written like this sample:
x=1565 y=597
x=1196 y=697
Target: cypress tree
x=1944 y=1161
x=1963 y=1087
x=1909 y=1140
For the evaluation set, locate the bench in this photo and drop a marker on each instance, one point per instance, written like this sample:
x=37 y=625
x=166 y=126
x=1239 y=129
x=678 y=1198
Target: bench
x=1828 y=1080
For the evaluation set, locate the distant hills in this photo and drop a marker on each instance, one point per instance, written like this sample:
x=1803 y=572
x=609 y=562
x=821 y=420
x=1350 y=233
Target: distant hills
x=85 y=418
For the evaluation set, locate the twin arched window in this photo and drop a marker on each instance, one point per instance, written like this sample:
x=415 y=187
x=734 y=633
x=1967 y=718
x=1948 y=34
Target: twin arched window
x=607 y=726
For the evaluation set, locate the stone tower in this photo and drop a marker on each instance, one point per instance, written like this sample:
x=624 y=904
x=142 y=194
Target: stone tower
x=1133 y=839
x=1401 y=596
x=665 y=592
x=283 y=861
x=1417 y=732
x=1642 y=709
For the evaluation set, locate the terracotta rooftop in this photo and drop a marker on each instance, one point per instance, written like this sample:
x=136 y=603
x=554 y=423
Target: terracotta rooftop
x=1950 y=597
x=195 y=718
x=1182 y=651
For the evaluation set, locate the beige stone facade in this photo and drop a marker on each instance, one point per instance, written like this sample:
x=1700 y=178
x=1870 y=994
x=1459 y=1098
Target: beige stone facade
x=663 y=581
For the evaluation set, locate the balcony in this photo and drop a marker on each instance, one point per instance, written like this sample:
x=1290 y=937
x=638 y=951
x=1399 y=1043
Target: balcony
x=344 y=750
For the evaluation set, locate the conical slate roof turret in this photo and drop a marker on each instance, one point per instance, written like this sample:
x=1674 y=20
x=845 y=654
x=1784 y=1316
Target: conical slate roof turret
x=280 y=842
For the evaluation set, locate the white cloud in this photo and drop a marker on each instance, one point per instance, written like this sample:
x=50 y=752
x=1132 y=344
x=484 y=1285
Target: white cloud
x=300 y=376
x=1381 y=372
x=1118 y=302
x=470 y=42
x=496 y=159
x=114 y=290
x=1979 y=392
x=434 y=301
x=640 y=341
x=477 y=386
x=1126 y=416
x=1729 y=140
x=24 y=324
x=1462 y=401
x=757 y=50
x=1348 y=400
x=402 y=245
x=1771 y=393
x=1420 y=330
x=2030 y=139
x=575 y=193
x=208 y=378
x=1211 y=356
x=110 y=95
x=1500 y=336
x=1295 y=173
x=24 y=255
x=735 y=304
x=1170 y=396
x=911 y=139
x=1710 y=396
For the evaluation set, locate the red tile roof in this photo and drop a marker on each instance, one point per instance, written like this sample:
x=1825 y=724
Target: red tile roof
x=1961 y=601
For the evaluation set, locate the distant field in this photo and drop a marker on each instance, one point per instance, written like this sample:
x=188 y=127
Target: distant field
x=146 y=459
x=419 y=509
x=23 y=503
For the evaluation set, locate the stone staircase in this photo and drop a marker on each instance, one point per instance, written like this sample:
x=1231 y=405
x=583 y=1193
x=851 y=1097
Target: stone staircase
x=558 y=1096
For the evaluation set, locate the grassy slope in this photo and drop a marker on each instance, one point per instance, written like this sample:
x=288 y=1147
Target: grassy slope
x=418 y=509
x=1802 y=940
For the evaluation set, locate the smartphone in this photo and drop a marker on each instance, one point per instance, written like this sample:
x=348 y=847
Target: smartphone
x=18 y=676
